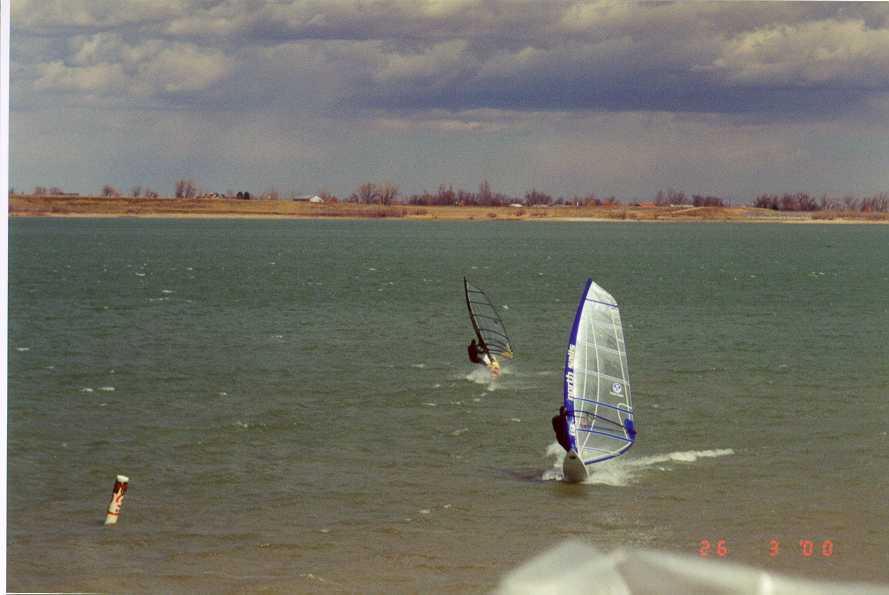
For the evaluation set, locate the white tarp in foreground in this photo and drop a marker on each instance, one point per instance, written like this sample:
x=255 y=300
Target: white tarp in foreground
x=574 y=567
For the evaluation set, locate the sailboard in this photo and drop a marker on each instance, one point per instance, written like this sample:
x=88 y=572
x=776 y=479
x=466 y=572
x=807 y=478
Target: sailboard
x=596 y=385
x=490 y=331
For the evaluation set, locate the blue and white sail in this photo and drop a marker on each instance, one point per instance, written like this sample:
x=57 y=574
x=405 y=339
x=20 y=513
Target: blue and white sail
x=597 y=381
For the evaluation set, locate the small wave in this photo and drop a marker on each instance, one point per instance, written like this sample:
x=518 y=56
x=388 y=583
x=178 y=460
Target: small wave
x=107 y=389
x=479 y=375
x=623 y=471
x=23 y=349
x=688 y=456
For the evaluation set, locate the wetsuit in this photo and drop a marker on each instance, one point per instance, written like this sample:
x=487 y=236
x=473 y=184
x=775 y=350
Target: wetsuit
x=560 y=427
x=473 y=353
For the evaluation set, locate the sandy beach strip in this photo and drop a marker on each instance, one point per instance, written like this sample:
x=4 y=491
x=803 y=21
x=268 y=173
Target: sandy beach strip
x=216 y=208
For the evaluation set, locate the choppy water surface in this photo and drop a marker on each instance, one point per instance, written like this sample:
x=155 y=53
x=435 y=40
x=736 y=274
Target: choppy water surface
x=293 y=405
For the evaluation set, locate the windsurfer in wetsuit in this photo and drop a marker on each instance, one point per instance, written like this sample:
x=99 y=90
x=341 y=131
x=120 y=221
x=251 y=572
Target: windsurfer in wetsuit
x=474 y=354
x=560 y=427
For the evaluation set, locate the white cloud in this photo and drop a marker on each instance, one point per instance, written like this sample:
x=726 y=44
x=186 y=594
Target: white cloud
x=182 y=69
x=104 y=64
x=100 y=79
x=437 y=65
x=46 y=15
x=460 y=54
x=808 y=54
x=440 y=121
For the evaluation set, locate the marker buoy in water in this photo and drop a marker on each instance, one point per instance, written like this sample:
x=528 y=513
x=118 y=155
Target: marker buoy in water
x=120 y=488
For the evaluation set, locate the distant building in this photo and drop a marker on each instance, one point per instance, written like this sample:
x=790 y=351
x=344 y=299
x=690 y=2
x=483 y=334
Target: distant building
x=314 y=199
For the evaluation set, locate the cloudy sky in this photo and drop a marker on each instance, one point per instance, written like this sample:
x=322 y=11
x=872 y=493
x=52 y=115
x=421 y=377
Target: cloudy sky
x=730 y=98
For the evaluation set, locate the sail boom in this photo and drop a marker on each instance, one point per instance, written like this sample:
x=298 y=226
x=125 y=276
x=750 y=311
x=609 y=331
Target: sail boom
x=603 y=404
x=607 y=434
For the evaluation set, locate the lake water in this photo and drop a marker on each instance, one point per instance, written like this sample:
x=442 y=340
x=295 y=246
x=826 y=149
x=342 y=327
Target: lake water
x=293 y=405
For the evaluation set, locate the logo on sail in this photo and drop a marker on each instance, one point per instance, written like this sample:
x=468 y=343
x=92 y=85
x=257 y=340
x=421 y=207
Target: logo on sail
x=617 y=388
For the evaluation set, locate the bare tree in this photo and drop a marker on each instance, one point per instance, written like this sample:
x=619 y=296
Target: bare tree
x=366 y=194
x=766 y=201
x=485 y=196
x=670 y=197
x=136 y=191
x=445 y=196
x=707 y=201
x=149 y=193
x=186 y=189
x=534 y=197
x=39 y=190
x=387 y=192
x=109 y=191
x=590 y=200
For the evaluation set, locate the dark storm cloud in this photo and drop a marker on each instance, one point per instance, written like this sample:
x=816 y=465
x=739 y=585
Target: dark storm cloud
x=674 y=58
x=771 y=58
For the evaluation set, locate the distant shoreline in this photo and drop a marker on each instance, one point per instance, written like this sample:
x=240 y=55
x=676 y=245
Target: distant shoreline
x=223 y=208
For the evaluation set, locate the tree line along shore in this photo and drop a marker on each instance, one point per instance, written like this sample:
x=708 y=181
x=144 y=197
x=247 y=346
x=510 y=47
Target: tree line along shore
x=302 y=207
